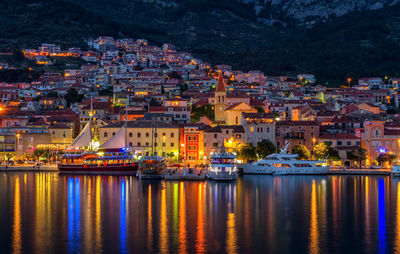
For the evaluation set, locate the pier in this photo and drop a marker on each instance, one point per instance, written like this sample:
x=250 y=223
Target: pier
x=177 y=174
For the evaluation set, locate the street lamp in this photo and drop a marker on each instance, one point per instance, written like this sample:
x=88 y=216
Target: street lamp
x=349 y=81
x=184 y=158
x=17 y=136
x=314 y=140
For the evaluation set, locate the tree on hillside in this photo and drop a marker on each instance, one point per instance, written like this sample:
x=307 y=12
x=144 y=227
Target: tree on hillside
x=302 y=151
x=359 y=154
x=323 y=150
x=382 y=158
x=259 y=109
x=8 y=157
x=73 y=96
x=247 y=152
x=264 y=148
x=200 y=111
x=39 y=153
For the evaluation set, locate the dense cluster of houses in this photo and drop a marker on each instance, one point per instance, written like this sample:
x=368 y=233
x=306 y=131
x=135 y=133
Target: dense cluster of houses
x=194 y=107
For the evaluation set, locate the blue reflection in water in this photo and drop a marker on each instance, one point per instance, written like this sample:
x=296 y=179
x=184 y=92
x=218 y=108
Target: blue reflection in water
x=74 y=223
x=122 y=216
x=382 y=219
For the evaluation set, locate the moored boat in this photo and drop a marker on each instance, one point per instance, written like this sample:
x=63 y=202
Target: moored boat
x=105 y=161
x=396 y=170
x=152 y=166
x=286 y=164
x=222 y=166
x=83 y=156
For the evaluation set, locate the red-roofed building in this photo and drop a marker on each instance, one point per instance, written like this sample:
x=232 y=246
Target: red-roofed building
x=297 y=133
x=344 y=143
x=379 y=138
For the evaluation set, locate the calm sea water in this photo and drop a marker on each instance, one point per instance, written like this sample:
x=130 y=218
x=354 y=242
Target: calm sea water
x=51 y=213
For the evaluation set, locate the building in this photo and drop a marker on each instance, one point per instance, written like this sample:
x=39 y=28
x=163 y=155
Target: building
x=230 y=136
x=61 y=135
x=258 y=126
x=192 y=143
x=378 y=139
x=297 y=133
x=233 y=114
x=303 y=113
x=344 y=143
x=220 y=101
x=179 y=108
x=145 y=136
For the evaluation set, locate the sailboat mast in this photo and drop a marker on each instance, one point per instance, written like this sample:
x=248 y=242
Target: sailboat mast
x=152 y=138
x=126 y=126
x=90 y=122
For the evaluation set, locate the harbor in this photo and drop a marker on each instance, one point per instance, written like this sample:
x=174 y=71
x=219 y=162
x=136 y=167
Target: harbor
x=189 y=174
x=202 y=216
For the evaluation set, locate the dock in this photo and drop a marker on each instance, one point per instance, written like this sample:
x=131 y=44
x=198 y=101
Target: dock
x=179 y=175
x=30 y=168
x=362 y=171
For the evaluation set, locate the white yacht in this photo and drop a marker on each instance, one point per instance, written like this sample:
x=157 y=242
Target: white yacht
x=396 y=169
x=222 y=166
x=285 y=164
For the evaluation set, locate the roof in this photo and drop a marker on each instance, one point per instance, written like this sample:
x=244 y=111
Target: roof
x=296 y=123
x=220 y=84
x=141 y=124
x=339 y=136
x=258 y=115
x=391 y=132
x=59 y=126
x=254 y=102
x=157 y=109
x=235 y=128
x=233 y=105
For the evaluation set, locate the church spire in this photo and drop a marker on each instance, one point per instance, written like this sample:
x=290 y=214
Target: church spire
x=221 y=83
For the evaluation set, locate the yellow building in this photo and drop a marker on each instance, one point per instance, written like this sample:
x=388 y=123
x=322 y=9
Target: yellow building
x=233 y=114
x=145 y=136
x=61 y=135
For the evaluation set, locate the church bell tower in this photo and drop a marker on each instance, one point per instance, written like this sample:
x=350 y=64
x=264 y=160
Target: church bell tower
x=220 y=101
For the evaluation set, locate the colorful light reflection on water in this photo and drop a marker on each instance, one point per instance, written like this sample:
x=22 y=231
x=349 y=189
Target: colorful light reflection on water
x=46 y=212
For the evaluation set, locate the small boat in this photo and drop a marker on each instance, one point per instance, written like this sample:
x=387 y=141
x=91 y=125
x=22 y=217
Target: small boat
x=222 y=166
x=286 y=164
x=152 y=166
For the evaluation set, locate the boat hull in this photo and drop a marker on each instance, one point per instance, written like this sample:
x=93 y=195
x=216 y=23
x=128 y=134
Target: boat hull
x=396 y=170
x=257 y=170
x=119 y=169
x=150 y=176
x=303 y=171
x=222 y=176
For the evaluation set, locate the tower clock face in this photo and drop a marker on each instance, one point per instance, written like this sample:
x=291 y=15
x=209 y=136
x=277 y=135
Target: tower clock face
x=220 y=108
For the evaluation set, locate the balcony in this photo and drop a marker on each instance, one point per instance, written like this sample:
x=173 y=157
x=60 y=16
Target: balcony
x=294 y=135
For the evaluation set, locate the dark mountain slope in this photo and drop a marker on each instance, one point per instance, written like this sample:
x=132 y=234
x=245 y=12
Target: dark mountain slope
x=357 y=44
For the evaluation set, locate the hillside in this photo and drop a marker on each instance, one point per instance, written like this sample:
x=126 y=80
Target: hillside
x=309 y=11
x=360 y=43
x=30 y=23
